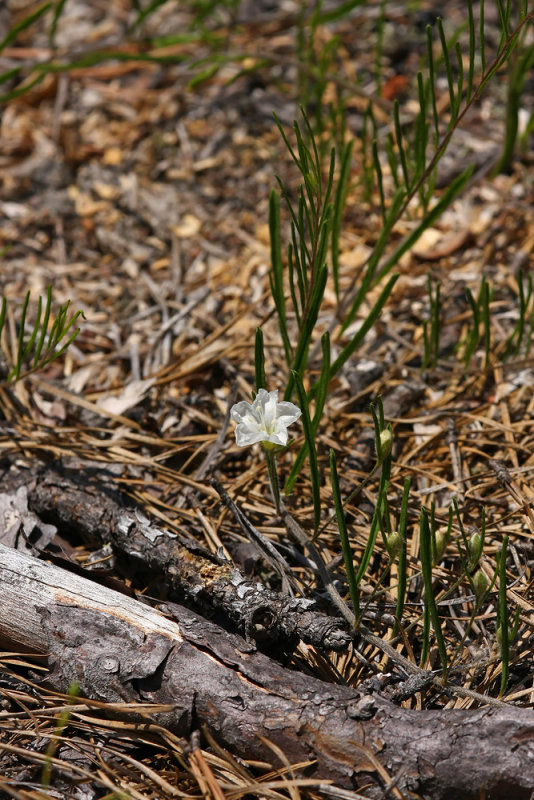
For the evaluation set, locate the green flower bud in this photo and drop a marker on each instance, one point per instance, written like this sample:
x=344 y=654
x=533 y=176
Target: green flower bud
x=474 y=548
x=394 y=544
x=386 y=443
x=442 y=541
x=511 y=635
x=480 y=584
x=499 y=639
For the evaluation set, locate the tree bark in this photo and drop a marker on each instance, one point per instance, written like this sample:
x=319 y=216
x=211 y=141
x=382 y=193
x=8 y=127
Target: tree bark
x=118 y=649
x=275 y=621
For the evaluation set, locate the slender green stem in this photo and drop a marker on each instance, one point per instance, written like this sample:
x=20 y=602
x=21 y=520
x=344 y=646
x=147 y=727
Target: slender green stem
x=273 y=479
x=431 y=608
x=345 y=543
x=502 y=624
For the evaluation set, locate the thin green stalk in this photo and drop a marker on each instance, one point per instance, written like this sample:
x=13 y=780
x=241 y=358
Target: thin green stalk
x=502 y=629
x=259 y=361
x=486 y=300
x=338 y=208
x=55 y=741
x=273 y=478
x=343 y=535
x=430 y=600
x=402 y=565
x=320 y=400
x=309 y=435
x=374 y=529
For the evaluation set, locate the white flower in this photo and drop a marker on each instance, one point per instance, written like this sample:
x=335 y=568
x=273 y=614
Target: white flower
x=264 y=420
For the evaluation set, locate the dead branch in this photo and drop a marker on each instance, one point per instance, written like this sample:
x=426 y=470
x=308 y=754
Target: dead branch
x=117 y=648
x=211 y=583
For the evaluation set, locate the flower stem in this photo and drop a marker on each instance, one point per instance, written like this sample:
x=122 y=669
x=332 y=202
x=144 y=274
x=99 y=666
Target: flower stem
x=273 y=479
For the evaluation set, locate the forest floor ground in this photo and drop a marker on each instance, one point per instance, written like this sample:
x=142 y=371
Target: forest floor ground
x=145 y=203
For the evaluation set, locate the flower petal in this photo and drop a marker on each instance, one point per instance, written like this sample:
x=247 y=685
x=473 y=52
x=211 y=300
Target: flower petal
x=242 y=411
x=264 y=420
x=280 y=436
x=246 y=435
x=288 y=412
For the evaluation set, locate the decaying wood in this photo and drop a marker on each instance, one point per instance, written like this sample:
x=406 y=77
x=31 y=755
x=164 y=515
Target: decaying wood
x=117 y=648
x=212 y=583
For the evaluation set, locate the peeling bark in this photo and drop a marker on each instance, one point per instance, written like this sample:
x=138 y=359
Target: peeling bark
x=117 y=648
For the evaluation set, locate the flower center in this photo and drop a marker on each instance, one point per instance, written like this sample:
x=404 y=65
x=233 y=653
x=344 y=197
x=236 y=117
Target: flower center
x=268 y=423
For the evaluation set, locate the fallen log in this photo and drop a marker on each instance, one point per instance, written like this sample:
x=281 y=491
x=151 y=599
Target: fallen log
x=119 y=649
x=274 y=620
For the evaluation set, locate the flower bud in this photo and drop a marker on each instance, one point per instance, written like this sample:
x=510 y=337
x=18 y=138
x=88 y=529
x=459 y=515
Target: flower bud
x=499 y=639
x=511 y=635
x=394 y=544
x=480 y=584
x=386 y=443
x=442 y=541
x=474 y=547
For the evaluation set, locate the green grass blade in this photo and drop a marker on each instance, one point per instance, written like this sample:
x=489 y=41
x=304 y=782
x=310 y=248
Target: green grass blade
x=63 y=349
x=320 y=400
x=14 y=93
x=370 y=546
x=432 y=79
x=337 y=12
x=33 y=336
x=203 y=76
x=10 y=74
x=430 y=600
x=339 y=206
x=472 y=48
x=15 y=372
x=402 y=566
x=425 y=644
x=44 y=328
x=392 y=158
x=3 y=314
x=400 y=145
x=276 y=273
x=288 y=144
x=292 y=273
x=459 y=83
x=421 y=128
x=374 y=529
x=486 y=300
x=366 y=326
x=145 y=13
x=259 y=361
x=309 y=436
x=447 y=63
x=307 y=329
x=55 y=19
x=324 y=379
x=502 y=629
x=379 y=179
x=343 y=535
x=445 y=200
x=369 y=277
x=482 y=36
x=23 y=25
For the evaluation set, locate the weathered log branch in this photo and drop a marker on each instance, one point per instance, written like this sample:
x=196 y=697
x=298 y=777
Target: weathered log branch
x=212 y=584
x=119 y=649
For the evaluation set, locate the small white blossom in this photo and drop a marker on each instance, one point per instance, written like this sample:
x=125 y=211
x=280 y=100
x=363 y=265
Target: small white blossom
x=264 y=420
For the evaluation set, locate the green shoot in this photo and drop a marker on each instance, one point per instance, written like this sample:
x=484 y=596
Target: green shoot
x=430 y=602
x=505 y=635
x=259 y=361
x=343 y=535
x=431 y=329
x=44 y=344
